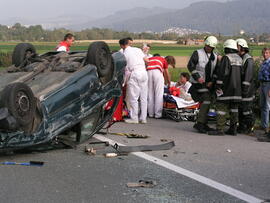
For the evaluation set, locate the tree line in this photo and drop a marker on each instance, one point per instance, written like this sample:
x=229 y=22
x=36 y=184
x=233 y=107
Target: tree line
x=18 y=32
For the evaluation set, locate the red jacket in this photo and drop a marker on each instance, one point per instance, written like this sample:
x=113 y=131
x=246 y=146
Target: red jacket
x=65 y=44
x=157 y=62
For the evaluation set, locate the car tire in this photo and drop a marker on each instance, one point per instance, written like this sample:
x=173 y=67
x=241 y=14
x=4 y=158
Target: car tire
x=21 y=52
x=19 y=99
x=99 y=55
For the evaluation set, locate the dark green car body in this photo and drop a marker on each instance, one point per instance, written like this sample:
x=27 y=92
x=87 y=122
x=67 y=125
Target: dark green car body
x=79 y=100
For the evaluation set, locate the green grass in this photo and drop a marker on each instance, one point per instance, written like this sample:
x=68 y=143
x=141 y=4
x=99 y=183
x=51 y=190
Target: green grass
x=175 y=72
x=164 y=50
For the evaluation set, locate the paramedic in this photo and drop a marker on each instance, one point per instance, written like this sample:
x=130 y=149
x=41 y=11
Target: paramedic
x=157 y=70
x=201 y=66
x=66 y=43
x=130 y=43
x=146 y=49
x=136 y=80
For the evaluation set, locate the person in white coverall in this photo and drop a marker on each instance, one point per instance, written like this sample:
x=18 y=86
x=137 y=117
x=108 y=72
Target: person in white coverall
x=136 y=80
x=157 y=70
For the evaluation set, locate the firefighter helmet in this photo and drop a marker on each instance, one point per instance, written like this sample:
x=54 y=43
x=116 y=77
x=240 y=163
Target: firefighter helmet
x=211 y=41
x=231 y=44
x=242 y=42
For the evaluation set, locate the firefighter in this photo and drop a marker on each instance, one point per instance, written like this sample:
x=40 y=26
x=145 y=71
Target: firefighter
x=228 y=89
x=201 y=66
x=246 y=115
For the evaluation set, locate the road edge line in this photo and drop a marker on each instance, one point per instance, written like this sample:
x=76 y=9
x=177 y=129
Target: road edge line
x=199 y=178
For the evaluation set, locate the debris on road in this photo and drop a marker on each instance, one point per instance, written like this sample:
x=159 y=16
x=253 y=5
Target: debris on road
x=110 y=151
x=90 y=151
x=105 y=143
x=128 y=135
x=142 y=148
x=142 y=183
x=228 y=150
x=163 y=140
x=110 y=155
x=31 y=163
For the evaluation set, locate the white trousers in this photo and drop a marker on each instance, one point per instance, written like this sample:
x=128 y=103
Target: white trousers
x=155 y=93
x=137 y=95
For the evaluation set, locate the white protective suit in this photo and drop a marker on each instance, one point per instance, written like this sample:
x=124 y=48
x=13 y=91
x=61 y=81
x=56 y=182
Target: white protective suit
x=137 y=80
x=155 y=93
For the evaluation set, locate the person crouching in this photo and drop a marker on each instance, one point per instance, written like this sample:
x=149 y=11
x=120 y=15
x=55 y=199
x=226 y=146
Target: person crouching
x=157 y=70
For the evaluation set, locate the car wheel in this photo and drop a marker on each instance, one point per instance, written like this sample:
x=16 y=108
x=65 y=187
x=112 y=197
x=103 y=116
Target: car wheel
x=19 y=99
x=99 y=55
x=21 y=52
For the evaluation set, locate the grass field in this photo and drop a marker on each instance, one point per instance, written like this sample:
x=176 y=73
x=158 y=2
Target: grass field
x=180 y=52
x=175 y=72
x=162 y=49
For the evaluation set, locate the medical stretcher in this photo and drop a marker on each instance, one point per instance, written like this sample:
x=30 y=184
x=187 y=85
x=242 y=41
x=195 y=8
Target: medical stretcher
x=179 y=109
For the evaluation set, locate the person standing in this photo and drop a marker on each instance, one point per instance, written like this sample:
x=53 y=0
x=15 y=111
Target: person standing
x=146 y=49
x=246 y=115
x=66 y=43
x=136 y=80
x=157 y=70
x=130 y=43
x=201 y=66
x=264 y=77
x=228 y=89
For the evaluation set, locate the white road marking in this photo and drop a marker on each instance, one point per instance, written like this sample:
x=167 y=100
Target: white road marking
x=223 y=188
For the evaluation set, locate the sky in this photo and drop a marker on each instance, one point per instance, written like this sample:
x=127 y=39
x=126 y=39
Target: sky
x=29 y=9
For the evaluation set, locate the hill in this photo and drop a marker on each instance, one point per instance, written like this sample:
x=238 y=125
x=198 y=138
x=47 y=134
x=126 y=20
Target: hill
x=116 y=20
x=225 y=18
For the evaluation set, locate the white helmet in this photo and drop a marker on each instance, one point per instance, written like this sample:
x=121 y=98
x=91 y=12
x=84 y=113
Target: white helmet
x=243 y=43
x=211 y=41
x=231 y=44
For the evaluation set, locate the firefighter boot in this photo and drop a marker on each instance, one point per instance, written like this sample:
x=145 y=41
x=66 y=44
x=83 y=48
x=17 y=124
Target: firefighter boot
x=216 y=132
x=200 y=127
x=232 y=130
x=241 y=128
x=207 y=128
x=264 y=138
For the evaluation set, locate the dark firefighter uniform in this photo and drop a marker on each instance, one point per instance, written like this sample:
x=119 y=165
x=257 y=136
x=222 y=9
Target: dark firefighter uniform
x=202 y=65
x=246 y=115
x=229 y=81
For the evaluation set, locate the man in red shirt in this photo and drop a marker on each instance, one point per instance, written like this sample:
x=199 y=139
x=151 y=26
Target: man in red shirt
x=66 y=43
x=157 y=70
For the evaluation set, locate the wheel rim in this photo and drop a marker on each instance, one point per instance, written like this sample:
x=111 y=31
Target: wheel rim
x=28 y=54
x=23 y=103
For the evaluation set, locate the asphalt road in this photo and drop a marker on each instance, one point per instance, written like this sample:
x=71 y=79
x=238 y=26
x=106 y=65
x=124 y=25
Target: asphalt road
x=218 y=169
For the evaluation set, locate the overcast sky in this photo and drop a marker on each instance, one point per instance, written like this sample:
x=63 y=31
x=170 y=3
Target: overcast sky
x=93 y=8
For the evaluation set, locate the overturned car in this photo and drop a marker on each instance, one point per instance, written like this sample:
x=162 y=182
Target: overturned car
x=46 y=96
